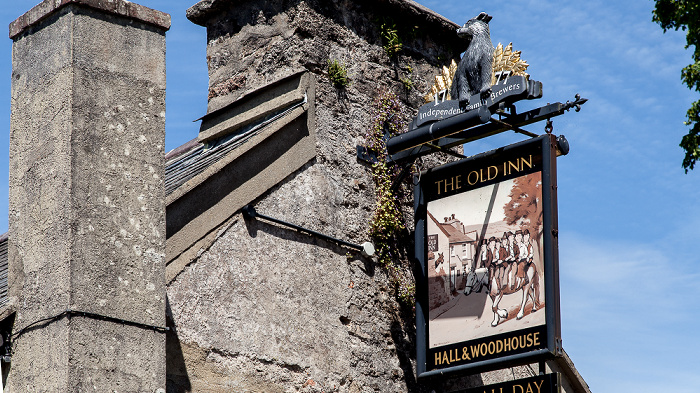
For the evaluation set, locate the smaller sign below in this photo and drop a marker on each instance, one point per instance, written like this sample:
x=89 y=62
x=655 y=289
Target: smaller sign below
x=547 y=383
x=432 y=242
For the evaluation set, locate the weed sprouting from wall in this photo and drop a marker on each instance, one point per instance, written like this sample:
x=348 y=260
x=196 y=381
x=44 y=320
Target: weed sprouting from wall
x=338 y=74
x=407 y=81
x=390 y=37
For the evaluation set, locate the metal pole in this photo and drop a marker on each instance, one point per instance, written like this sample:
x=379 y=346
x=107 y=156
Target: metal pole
x=367 y=249
x=437 y=130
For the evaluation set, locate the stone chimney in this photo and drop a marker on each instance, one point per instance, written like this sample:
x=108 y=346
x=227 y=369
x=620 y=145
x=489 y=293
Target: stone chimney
x=87 y=213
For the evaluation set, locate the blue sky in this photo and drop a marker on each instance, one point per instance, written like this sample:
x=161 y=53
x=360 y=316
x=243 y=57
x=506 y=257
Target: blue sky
x=629 y=217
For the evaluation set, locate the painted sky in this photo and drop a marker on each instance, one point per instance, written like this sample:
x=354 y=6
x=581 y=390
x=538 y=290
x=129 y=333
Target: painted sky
x=629 y=217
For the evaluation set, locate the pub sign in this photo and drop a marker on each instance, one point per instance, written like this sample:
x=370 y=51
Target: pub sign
x=546 y=383
x=486 y=240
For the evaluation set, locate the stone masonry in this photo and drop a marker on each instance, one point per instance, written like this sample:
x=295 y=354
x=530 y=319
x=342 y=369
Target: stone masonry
x=87 y=214
x=259 y=307
x=263 y=308
x=251 y=306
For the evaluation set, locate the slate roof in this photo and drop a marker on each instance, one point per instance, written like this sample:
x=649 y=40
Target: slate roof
x=455 y=235
x=192 y=158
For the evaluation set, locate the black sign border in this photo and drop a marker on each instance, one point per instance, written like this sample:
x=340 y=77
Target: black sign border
x=547 y=144
x=553 y=381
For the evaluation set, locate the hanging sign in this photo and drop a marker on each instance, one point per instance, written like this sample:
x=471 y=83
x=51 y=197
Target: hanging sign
x=486 y=239
x=548 y=383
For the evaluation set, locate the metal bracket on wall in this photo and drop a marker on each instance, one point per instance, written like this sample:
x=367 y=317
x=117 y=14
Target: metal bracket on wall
x=492 y=126
x=510 y=121
x=367 y=248
x=513 y=121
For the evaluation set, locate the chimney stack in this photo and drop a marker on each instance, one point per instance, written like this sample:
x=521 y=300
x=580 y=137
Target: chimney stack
x=87 y=211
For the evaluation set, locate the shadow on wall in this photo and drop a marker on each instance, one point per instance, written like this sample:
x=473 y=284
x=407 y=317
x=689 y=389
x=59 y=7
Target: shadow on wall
x=254 y=225
x=404 y=336
x=404 y=341
x=175 y=370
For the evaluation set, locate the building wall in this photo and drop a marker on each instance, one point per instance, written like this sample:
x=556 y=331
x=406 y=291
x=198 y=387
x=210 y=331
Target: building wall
x=260 y=307
x=252 y=306
x=252 y=43
x=438 y=279
x=86 y=202
x=264 y=308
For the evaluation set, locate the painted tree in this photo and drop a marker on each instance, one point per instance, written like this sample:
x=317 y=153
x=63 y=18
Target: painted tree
x=525 y=207
x=685 y=15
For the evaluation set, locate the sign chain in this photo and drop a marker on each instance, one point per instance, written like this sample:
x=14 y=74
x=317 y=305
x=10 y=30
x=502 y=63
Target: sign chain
x=549 y=127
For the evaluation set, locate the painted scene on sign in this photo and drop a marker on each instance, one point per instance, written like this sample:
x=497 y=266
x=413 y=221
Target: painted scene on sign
x=485 y=261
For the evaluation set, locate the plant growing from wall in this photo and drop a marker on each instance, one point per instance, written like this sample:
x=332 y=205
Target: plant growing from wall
x=389 y=119
x=407 y=80
x=407 y=83
x=338 y=74
x=390 y=37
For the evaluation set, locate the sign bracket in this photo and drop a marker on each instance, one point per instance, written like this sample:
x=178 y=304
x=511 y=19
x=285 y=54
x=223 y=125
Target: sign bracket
x=514 y=122
x=515 y=128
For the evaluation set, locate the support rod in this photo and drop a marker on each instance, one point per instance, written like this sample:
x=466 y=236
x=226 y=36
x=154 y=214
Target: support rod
x=483 y=130
x=437 y=130
x=367 y=248
x=515 y=128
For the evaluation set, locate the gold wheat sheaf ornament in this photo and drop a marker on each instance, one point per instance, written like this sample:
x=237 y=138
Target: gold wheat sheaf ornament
x=443 y=82
x=506 y=63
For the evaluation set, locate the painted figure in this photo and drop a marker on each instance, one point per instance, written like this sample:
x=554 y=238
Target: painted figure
x=478 y=277
x=522 y=259
x=530 y=290
x=530 y=254
x=485 y=255
x=489 y=276
x=513 y=259
x=529 y=284
x=504 y=259
x=440 y=259
x=493 y=268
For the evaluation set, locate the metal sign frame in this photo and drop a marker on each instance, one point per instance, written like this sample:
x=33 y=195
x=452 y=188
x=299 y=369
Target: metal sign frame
x=454 y=358
x=545 y=383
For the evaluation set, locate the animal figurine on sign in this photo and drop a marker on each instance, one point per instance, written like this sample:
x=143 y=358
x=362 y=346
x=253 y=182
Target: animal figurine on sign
x=473 y=74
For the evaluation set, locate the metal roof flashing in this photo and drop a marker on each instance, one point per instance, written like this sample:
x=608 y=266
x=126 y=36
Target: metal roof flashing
x=254 y=105
x=244 y=149
x=238 y=125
